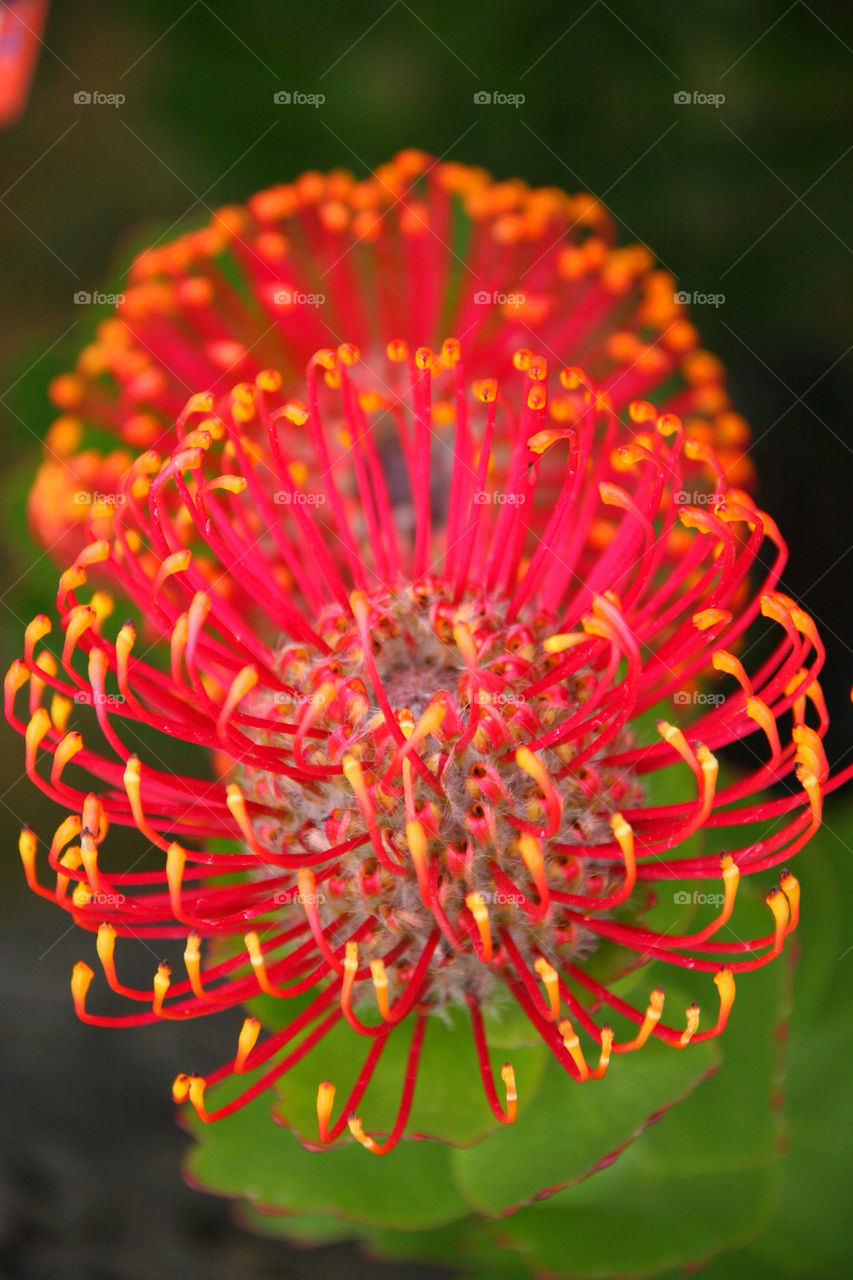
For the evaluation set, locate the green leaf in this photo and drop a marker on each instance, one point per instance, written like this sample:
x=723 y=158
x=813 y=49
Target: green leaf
x=449 y=1102
x=570 y=1128
x=636 y=1221
x=249 y=1157
x=304 y=1230
x=730 y=1122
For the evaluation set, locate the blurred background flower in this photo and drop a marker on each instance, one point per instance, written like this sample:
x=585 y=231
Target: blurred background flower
x=155 y=117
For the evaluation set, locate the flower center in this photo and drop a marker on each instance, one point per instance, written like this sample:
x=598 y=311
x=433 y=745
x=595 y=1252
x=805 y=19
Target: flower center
x=431 y=810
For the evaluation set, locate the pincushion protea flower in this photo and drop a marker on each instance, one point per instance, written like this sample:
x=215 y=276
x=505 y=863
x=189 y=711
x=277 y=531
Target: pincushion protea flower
x=416 y=618
x=419 y=249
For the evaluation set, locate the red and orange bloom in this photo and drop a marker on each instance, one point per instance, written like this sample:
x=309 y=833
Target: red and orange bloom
x=418 y=612
x=420 y=249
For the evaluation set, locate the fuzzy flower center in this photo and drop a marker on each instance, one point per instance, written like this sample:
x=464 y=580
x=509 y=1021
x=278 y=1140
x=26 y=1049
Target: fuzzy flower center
x=454 y=826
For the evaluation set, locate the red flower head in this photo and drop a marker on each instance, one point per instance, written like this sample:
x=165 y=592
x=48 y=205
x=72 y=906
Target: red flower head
x=422 y=620
x=420 y=249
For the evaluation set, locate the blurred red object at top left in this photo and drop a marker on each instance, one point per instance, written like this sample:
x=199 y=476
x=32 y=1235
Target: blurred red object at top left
x=21 y=25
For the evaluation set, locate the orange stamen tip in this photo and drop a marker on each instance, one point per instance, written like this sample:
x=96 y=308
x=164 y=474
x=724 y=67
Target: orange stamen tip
x=624 y=835
x=351 y=958
x=246 y=1042
x=132 y=772
x=325 y=1102
x=307 y=885
x=176 y=858
x=778 y=904
x=551 y=983
x=81 y=979
x=508 y=1078
x=162 y=982
x=572 y=1045
x=557 y=643
x=82 y=896
x=360 y=606
x=725 y=983
x=477 y=906
x=692 y=1025
x=105 y=945
x=181 y=1087
x=650 y=1020
x=707 y=618
x=606 y=1049
x=416 y=837
x=790 y=886
x=531 y=851
x=27 y=847
x=380 y=983
x=195 y=1091
x=357 y=1131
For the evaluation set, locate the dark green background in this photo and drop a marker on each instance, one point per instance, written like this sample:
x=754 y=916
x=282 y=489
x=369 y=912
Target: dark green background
x=751 y=199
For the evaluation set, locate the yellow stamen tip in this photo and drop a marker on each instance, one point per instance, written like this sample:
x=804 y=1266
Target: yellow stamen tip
x=325 y=1102
x=181 y=1087
x=246 y=1042
x=81 y=978
x=551 y=983
x=162 y=982
x=508 y=1078
x=692 y=1025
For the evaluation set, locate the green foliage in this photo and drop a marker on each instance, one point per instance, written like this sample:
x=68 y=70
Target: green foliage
x=736 y=1176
